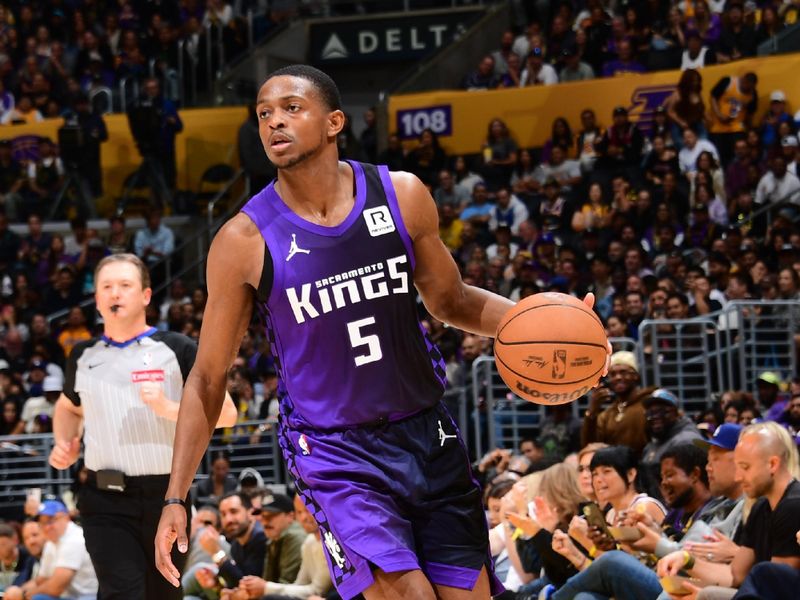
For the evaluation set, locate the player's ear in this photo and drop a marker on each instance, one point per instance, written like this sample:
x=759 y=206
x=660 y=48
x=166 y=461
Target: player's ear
x=336 y=122
x=148 y=294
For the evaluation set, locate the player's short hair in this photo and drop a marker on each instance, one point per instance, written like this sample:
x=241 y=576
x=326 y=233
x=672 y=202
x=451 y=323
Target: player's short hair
x=128 y=258
x=323 y=83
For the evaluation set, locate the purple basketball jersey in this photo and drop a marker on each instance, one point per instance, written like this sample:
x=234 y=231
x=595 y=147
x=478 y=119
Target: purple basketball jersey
x=341 y=314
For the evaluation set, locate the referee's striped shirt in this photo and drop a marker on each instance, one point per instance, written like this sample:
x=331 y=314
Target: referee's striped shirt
x=104 y=377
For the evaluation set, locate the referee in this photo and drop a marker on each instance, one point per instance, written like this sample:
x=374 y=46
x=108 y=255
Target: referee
x=123 y=390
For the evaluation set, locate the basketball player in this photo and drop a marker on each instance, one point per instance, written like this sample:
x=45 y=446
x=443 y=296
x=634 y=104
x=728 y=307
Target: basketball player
x=124 y=388
x=333 y=252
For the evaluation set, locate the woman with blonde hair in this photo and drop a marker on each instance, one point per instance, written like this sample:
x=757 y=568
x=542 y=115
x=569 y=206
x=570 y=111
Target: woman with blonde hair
x=584 y=469
x=556 y=503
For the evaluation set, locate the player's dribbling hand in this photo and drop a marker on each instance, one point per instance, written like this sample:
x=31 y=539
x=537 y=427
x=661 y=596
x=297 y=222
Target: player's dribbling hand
x=171 y=528
x=64 y=454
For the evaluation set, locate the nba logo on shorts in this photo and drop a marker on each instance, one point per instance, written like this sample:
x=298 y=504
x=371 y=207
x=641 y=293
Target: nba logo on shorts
x=379 y=220
x=559 y=364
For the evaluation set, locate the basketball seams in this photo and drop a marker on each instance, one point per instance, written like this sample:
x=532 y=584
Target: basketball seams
x=550 y=382
x=562 y=342
x=586 y=311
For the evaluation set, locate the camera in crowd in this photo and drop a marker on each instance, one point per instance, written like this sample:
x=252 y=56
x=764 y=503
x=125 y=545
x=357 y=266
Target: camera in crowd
x=71 y=143
x=144 y=121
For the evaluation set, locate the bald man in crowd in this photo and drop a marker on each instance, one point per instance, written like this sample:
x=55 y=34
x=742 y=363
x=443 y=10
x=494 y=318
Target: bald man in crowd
x=767 y=539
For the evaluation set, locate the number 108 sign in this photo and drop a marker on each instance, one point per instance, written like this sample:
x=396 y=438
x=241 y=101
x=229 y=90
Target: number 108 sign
x=412 y=122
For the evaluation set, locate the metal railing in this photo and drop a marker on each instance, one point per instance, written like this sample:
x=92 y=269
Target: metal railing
x=791 y=200
x=23 y=460
x=683 y=356
x=725 y=350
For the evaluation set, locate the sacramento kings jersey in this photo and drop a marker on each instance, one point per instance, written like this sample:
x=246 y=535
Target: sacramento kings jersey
x=341 y=311
x=105 y=378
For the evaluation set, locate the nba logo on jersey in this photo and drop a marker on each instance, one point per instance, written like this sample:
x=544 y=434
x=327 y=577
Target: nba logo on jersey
x=379 y=220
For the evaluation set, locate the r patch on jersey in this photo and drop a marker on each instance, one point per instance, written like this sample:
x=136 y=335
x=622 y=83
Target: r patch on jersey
x=379 y=220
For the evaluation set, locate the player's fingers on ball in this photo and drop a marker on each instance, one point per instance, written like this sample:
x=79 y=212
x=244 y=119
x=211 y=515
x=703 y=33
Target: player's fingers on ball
x=589 y=299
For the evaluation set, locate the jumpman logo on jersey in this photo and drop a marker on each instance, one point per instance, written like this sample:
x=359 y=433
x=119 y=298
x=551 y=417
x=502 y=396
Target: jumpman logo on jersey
x=443 y=437
x=295 y=249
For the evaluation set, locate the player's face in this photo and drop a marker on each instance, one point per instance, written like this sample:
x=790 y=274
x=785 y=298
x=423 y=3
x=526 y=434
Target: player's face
x=120 y=284
x=293 y=121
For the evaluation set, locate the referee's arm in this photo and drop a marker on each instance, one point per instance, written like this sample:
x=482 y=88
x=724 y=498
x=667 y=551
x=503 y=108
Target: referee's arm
x=154 y=397
x=67 y=426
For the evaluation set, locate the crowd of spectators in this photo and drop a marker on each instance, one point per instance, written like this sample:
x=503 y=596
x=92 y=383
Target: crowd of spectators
x=567 y=41
x=666 y=223
x=52 y=52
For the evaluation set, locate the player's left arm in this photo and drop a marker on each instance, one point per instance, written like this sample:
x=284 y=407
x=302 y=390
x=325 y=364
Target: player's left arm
x=436 y=275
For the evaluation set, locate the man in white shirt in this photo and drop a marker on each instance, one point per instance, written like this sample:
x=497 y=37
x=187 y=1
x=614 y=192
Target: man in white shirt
x=536 y=71
x=42 y=405
x=66 y=570
x=790 y=152
x=509 y=211
x=777 y=184
x=692 y=148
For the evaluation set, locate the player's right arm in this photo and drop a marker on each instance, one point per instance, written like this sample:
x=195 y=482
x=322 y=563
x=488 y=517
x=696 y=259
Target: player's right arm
x=67 y=425
x=231 y=281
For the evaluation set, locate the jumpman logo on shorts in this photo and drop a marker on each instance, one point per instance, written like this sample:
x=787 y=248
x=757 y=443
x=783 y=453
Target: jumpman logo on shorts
x=295 y=249
x=443 y=437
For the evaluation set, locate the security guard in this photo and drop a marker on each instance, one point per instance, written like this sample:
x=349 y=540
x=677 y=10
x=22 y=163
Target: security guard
x=123 y=389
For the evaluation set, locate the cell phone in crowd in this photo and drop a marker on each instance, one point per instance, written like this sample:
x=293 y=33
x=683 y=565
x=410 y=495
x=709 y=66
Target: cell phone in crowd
x=34 y=494
x=594 y=517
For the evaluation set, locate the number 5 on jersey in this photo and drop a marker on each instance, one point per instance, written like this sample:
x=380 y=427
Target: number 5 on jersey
x=357 y=339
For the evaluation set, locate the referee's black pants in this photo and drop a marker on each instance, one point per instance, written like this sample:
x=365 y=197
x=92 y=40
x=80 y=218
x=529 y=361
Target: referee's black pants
x=120 y=529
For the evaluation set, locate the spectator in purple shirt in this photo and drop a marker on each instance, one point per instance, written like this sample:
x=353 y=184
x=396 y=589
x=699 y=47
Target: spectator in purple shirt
x=625 y=62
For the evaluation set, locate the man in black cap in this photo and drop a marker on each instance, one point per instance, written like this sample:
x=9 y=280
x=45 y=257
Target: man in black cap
x=574 y=68
x=666 y=427
x=286 y=537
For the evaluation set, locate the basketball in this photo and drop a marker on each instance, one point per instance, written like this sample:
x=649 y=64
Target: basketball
x=550 y=348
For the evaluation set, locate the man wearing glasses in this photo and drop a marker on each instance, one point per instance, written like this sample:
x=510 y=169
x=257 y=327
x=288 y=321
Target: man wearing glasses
x=66 y=569
x=623 y=421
